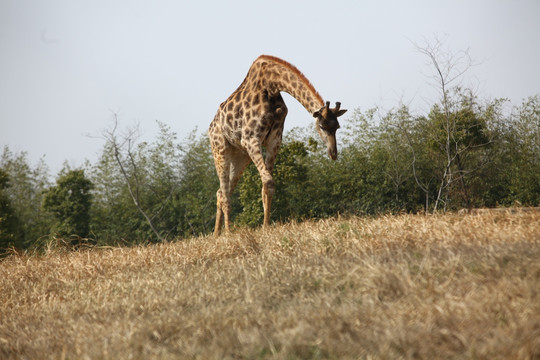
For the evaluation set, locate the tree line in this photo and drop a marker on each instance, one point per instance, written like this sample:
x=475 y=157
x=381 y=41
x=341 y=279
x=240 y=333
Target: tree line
x=464 y=152
x=474 y=155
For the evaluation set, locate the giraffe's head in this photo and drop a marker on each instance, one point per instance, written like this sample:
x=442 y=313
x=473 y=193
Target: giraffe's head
x=327 y=125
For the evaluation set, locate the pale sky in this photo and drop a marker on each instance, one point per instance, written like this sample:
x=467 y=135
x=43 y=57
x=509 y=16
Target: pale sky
x=67 y=65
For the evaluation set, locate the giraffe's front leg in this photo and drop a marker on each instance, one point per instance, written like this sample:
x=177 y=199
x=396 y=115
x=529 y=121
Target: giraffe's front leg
x=253 y=148
x=267 y=192
x=269 y=188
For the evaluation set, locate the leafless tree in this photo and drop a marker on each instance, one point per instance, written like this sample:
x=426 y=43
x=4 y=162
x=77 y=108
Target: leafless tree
x=447 y=77
x=122 y=147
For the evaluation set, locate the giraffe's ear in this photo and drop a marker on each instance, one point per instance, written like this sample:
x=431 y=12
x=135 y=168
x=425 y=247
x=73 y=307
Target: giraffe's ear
x=317 y=114
x=341 y=112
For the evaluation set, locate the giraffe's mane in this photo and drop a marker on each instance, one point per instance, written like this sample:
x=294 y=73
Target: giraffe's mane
x=295 y=70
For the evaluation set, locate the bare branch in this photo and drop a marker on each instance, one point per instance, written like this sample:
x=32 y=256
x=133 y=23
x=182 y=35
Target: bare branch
x=448 y=70
x=110 y=137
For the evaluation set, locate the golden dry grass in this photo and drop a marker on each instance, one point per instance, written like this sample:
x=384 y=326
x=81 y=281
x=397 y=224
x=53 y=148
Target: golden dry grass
x=411 y=287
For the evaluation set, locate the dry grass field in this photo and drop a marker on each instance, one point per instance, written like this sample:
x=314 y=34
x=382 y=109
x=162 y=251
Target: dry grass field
x=454 y=286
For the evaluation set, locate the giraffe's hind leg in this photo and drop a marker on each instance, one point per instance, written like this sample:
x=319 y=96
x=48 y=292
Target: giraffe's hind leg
x=236 y=163
x=239 y=163
x=219 y=214
x=230 y=164
x=223 y=206
x=221 y=152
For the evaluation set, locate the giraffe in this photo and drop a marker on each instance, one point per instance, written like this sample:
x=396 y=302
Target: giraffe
x=252 y=118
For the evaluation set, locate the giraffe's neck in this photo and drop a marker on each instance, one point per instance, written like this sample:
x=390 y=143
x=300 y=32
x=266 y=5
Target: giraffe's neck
x=277 y=75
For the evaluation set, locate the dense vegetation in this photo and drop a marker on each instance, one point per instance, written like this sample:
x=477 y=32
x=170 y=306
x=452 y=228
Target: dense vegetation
x=463 y=152
x=467 y=153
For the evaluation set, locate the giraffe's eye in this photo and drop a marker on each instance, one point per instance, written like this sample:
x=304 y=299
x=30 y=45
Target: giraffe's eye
x=329 y=125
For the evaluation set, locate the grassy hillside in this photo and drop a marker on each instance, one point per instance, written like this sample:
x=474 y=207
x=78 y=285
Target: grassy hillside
x=413 y=287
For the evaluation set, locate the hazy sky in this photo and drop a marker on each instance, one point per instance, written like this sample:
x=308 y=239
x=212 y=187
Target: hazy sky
x=66 y=66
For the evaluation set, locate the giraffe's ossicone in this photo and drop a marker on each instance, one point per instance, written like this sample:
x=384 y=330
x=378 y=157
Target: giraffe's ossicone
x=253 y=118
